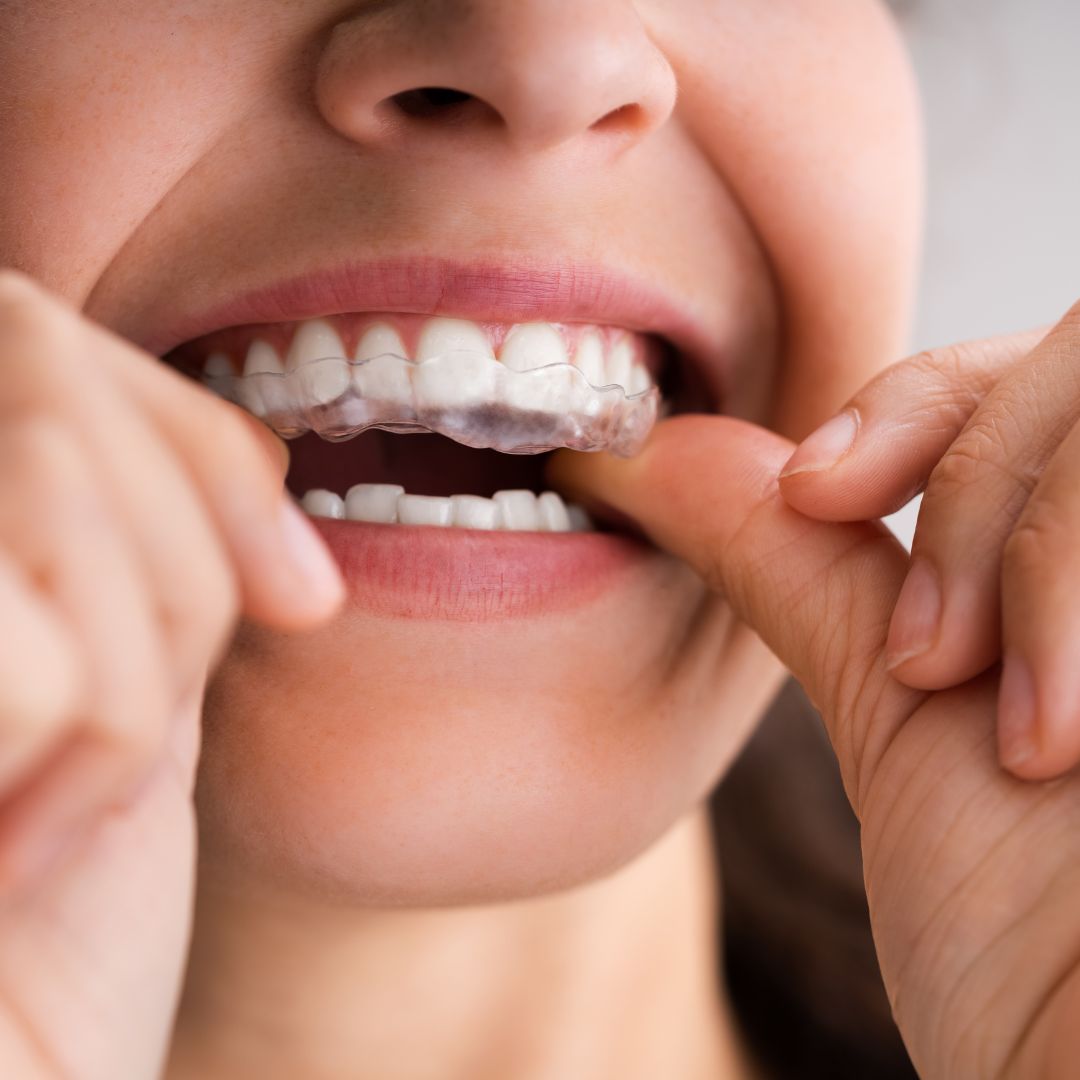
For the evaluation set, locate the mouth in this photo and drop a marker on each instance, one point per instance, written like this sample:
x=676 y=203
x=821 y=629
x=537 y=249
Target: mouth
x=421 y=438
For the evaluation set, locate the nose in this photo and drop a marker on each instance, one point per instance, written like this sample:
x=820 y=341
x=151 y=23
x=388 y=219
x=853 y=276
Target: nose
x=535 y=73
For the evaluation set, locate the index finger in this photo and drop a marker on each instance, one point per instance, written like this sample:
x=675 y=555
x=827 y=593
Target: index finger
x=287 y=576
x=881 y=447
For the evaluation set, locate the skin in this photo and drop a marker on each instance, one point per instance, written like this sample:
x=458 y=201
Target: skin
x=970 y=869
x=360 y=835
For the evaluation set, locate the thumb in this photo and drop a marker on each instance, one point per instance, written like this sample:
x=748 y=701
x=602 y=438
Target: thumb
x=819 y=594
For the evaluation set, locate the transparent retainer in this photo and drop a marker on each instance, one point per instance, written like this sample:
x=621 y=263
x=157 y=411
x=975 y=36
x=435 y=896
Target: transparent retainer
x=465 y=395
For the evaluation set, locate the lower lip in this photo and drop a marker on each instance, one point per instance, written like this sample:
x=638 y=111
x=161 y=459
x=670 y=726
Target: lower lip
x=469 y=575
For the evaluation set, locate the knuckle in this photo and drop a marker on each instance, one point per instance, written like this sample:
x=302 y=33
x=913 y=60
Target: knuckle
x=934 y=389
x=1040 y=538
x=41 y=454
x=957 y=470
x=202 y=612
x=40 y=442
x=43 y=698
x=34 y=432
x=1055 y=376
x=965 y=371
x=43 y=432
x=952 y=364
x=131 y=735
x=132 y=701
x=981 y=455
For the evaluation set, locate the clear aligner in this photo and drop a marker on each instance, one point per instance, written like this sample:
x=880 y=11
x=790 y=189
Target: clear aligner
x=464 y=395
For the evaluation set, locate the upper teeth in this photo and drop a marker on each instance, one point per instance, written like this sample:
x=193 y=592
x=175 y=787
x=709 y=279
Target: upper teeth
x=604 y=359
x=538 y=387
x=509 y=510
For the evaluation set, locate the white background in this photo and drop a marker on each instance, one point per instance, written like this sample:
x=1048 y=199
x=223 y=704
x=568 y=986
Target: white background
x=1001 y=90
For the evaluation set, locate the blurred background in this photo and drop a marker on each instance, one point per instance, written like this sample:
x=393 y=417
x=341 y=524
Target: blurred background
x=1001 y=92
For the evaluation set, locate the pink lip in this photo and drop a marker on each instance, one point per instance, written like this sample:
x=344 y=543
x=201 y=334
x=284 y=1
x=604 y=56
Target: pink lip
x=411 y=572
x=463 y=575
x=493 y=292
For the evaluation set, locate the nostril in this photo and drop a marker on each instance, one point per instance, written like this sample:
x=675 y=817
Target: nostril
x=428 y=100
x=629 y=117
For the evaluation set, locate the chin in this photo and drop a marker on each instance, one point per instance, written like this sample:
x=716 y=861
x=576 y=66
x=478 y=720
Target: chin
x=386 y=761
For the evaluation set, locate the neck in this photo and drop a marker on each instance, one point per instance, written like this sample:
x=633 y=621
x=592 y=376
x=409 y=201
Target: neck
x=617 y=978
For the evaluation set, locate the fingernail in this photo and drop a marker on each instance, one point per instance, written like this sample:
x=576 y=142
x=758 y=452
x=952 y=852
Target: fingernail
x=823 y=448
x=915 y=619
x=1016 y=712
x=314 y=564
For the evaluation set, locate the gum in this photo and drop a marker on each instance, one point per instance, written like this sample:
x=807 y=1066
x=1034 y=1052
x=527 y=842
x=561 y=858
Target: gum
x=468 y=397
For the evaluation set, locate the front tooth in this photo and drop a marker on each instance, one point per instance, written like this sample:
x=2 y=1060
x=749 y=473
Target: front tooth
x=533 y=345
x=373 y=502
x=474 y=512
x=589 y=357
x=640 y=380
x=424 y=510
x=620 y=362
x=262 y=395
x=557 y=392
x=315 y=339
x=553 y=515
x=443 y=335
x=518 y=510
x=467 y=374
x=380 y=375
x=321 y=503
x=380 y=338
x=319 y=355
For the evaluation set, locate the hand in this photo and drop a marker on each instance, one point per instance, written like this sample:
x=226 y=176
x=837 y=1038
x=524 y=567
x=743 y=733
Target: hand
x=139 y=517
x=972 y=875
x=989 y=430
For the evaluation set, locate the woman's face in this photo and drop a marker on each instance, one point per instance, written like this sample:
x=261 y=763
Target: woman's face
x=493 y=714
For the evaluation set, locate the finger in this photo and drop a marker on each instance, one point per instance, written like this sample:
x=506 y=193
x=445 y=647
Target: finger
x=1039 y=710
x=287 y=577
x=947 y=626
x=820 y=595
x=878 y=452
x=192 y=583
x=187 y=568
x=41 y=676
x=57 y=525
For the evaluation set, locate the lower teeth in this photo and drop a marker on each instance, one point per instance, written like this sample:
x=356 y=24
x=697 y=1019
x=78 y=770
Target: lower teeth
x=515 y=511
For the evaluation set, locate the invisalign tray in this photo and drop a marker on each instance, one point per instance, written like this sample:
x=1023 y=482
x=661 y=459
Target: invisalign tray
x=464 y=395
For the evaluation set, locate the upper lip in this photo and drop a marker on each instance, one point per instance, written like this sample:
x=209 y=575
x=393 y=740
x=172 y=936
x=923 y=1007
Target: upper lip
x=483 y=291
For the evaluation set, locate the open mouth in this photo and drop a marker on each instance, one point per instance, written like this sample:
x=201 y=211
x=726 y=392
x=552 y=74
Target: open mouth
x=482 y=404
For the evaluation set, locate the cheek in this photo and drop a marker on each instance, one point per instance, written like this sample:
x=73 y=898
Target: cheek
x=103 y=111
x=385 y=762
x=809 y=113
